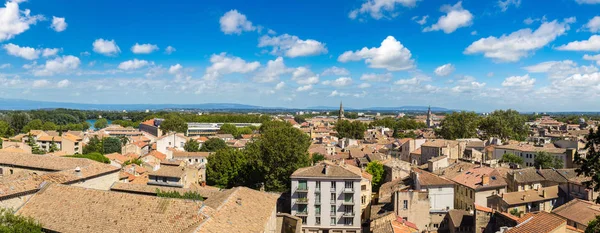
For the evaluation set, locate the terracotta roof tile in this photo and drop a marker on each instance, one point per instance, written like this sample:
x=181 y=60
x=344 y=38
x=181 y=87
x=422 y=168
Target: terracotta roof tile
x=540 y=222
x=579 y=211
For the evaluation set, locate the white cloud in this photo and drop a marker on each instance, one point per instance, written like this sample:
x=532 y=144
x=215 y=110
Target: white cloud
x=234 y=22
x=560 y=69
x=490 y=74
x=272 y=71
x=133 y=64
x=364 y=85
x=588 y=1
x=305 y=76
x=473 y=33
x=378 y=9
x=528 y=21
x=304 y=88
x=169 y=50
x=336 y=93
x=58 y=24
x=58 y=65
x=292 y=46
x=63 y=83
x=106 y=47
x=223 y=64
x=279 y=85
x=85 y=54
x=334 y=70
x=5 y=66
x=591 y=44
x=23 y=52
x=15 y=21
x=522 y=82
x=391 y=55
x=174 y=69
x=360 y=95
x=593 y=25
x=507 y=3
x=421 y=21
x=41 y=83
x=592 y=58
x=372 y=77
x=339 y=82
x=456 y=17
x=413 y=81
x=467 y=84
x=50 y=52
x=444 y=70
x=143 y=48
x=520 y=43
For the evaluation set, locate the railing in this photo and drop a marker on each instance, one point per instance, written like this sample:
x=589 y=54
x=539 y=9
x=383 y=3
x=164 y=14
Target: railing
x=302 y=212
x=302 y=200
x=348 y=190
x=348 y=214
x=302 y=189
x=349 y=202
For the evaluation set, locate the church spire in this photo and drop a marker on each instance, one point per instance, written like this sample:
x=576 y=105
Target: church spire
x=429 y=122
x=341 y=114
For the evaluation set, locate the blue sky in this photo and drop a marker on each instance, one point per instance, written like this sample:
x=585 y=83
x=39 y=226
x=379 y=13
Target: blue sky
x=475 y=55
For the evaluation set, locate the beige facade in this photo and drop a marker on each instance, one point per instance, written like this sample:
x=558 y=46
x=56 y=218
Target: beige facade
x=413 y=206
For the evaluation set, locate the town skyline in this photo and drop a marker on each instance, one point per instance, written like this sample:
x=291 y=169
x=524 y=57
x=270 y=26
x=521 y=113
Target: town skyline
x=505 y=54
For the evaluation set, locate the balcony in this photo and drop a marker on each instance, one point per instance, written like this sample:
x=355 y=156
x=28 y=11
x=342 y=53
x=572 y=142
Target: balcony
x=349 y=202
x=332 y=190
x=348 y=190
x=348 y=214
x=332 y=214
x=302 y=189
x=302 y=200
x=317 y=201
x=317 y=190
x=302 y=213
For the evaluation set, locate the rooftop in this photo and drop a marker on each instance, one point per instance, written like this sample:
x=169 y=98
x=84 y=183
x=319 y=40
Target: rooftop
x=42 y=162
x=169 y=171
x=325 y=170
x=532 y=195
x=472 y=178
x=526 y=175
x=190 y=154
x=579 y=211
x=539 y=222
x=429 y=179
x=206 y=192
x=439 y=143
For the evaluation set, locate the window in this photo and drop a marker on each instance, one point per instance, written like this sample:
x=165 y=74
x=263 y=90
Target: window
x=318 y=221
x=317 y=197
x=348 y=209
x=363 y=188
x=349 y=185
x=318 y=209
x=332 y=199
x=405 y=204
x=332 y=212
x=435 y=225
x=333 y=186
x=332 y=222
x=318 y=185
x=363 y=199
x=302 y=185
x=348 y=221
x=348 y=197
x=169 y=143
x=303 y=220
x=164 y=179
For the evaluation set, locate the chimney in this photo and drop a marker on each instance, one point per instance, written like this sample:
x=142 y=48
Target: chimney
x=78 y=171
x=203 y=183
x=325 y=169
x=544 y=193
x=485 y=180
x=524 y=196
x=239 y=201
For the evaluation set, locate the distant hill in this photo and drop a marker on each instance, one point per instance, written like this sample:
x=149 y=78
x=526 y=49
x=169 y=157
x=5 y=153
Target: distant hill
x=401 y=108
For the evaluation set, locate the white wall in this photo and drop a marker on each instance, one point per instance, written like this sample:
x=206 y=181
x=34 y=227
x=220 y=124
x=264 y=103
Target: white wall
x=169 y=141
x=441 y=198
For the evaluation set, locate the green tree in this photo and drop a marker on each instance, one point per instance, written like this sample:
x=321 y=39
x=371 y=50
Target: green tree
x=505 y=125
x=9 y=222
x=226 y=168
x=124 y=140
x=111 y=145
x=511 y=158
x=92 y=156
x=229 y=129
x=101 y=123
x=5 y=130
x=33 y=125
x=18 y=121
x=94 y=145
x=174 y=123
x=53 y=147
x=375 y=168
x=244 y=130
x=191 y=146
x=347 y=129
x=545 y=160
x=317 y=157
x=213 y=144
x=35 y=149
x=139 y=162
x=459 y=125
x=275 y=155
x=48 y=125
x=589 y=166
x=300 y=119
x=190 y=195
x=593 y=226
x=273 y=124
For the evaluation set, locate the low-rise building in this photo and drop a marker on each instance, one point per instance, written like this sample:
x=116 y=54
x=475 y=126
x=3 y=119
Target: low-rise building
x=473 y=186
x=440 y=147
x=171 y=141
x=578 y=213
x=440 y=194
x=413 y=206
x=523 y=202
x=528 y=152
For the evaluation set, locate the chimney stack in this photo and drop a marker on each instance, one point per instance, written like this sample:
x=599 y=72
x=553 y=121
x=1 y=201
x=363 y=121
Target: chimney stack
x=485 y=180
x=325 y=169
x=523 y=197
x=544 y=193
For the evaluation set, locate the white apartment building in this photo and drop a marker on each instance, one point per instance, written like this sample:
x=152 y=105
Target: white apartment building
x=327 y=197
x=170 y=140
x=528 y=152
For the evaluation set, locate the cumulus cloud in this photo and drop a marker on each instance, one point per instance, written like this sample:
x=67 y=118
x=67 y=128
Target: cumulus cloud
x=305 y=76
x=50 y=52
x=592 y=58
x=339 y=82
x=391 y=55
x=444 y=70
x=364 y=85
x=223 y=64
x=467 y=84
x=521 y=82
x=334 y=70
x=15 y=21
x=378 y=9
x=133 y=64
x=63 y=83
x=279 y=85
x=504 y=5
x=593 y=25
x=143 y=48
x=58 y=24
x=304 y=88
x=106 y=47
x=5 y=66
x=336 y=93
x=519 y=44
x=58 y=65
x=372 y=77
x=456 y=17
x=22 y=52
x=174 y=69
x=233 y=22
x=413 y=81
x=169 y=50
x=421 y=21
x=292 y=46
x=272 y=71
x=40 y=83
x=560 y=69
x=588 y=1
x=591 y=44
